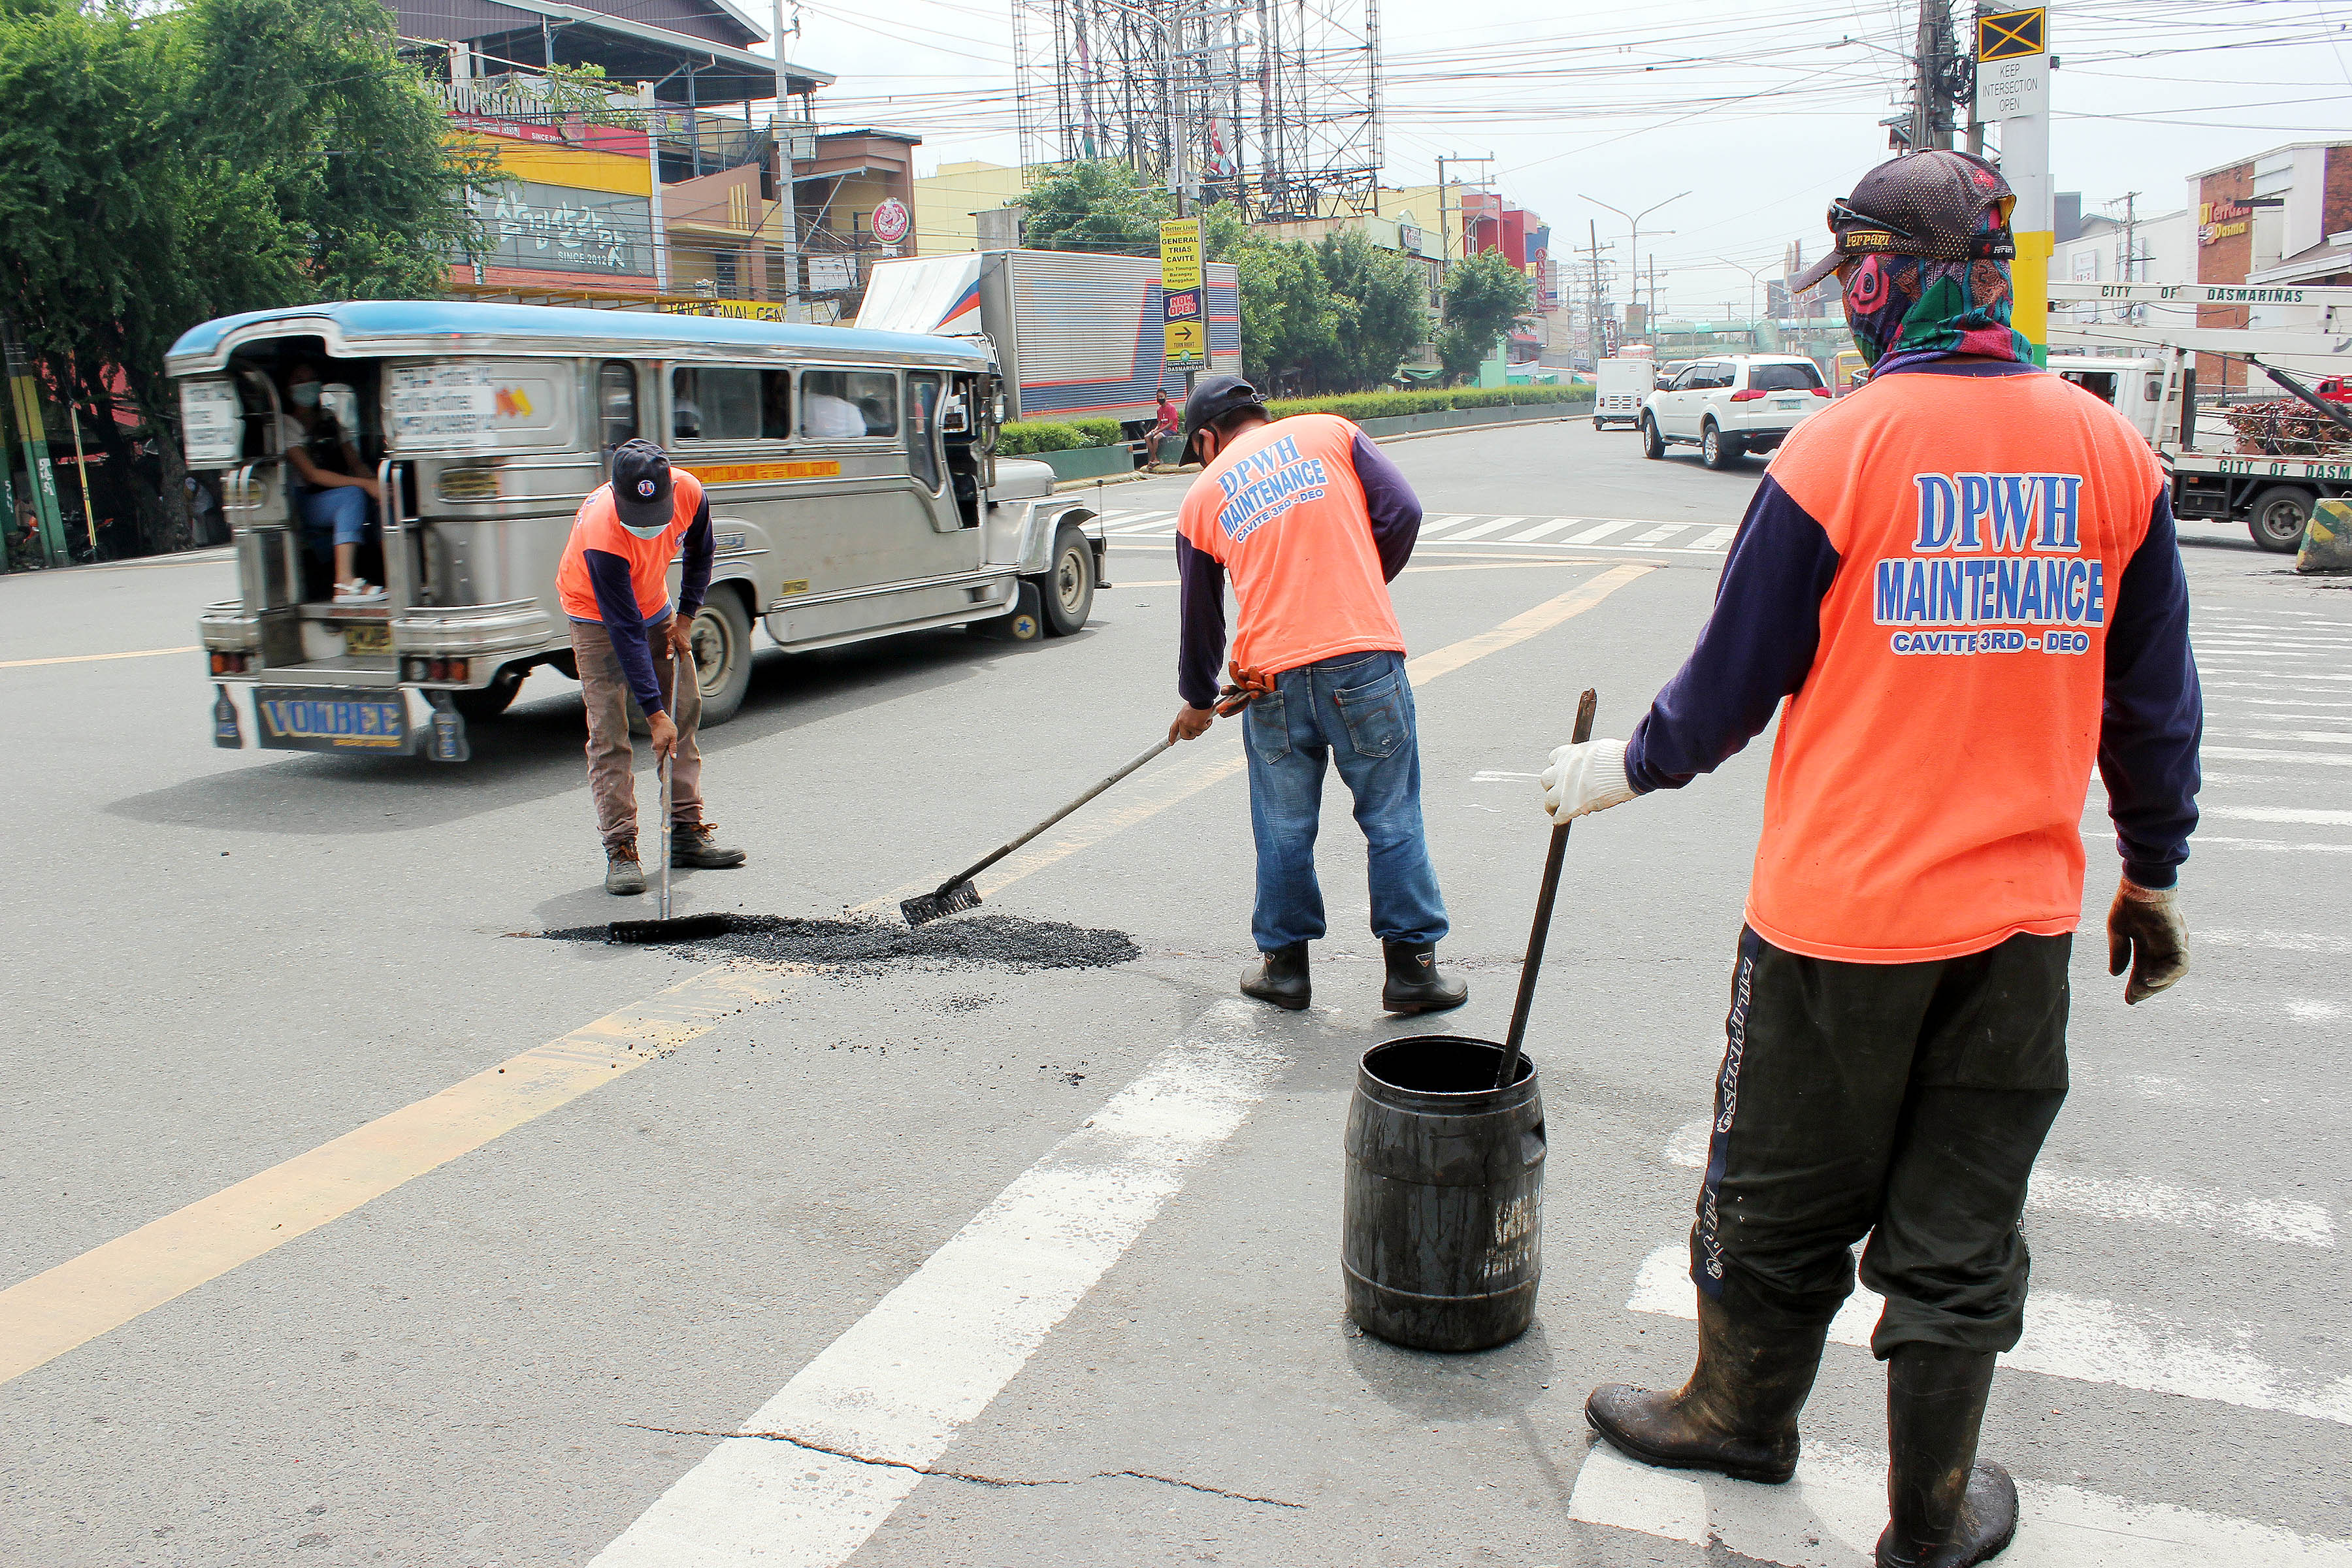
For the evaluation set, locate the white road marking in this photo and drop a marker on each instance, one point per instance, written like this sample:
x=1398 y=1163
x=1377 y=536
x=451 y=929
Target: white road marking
x=1658 y=535
x=1831 y=1514
x=2256 y=755
x=2289 y=702
x=899 y=1385
x=2204 y=839
x=2077 y=1337
x=2322 y=737
x=2282 y=940
x=1717 y=538
x=2055 y=1191
x=1549 y=525
x=1601 y=532
x=1498 y=775
x=1483 y=529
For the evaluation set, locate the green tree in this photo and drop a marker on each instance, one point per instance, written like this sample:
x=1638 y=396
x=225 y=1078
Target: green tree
x=1485 y=297
x=1092 y=204
x=1290 y=325
x=1378 y=298
x=163 y=167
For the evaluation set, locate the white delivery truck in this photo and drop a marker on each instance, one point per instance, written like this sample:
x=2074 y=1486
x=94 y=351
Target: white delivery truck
x=1619 y=387
x=1078 y=335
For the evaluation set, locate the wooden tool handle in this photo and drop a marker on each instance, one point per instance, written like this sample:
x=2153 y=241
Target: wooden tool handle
x=1533 y=964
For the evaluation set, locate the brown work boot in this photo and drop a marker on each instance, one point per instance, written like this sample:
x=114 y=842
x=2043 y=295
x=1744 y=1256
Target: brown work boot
x=623 y=875
x=1738 y=1414
x=1946 y=1510
x=693 y=848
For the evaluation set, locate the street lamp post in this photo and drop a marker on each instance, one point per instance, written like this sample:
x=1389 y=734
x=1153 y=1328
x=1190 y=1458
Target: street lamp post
x=1752 y=276
x=1634 y=245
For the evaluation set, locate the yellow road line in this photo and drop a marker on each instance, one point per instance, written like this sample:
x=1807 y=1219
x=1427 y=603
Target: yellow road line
x=75 y=1302
x=46 y=1316
x=95 y=657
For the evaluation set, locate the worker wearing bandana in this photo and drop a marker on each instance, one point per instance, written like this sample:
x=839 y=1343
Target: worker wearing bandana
x=1962 y=578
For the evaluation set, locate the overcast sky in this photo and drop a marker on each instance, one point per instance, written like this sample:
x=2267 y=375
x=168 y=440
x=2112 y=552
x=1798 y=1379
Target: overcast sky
x=1757 y=108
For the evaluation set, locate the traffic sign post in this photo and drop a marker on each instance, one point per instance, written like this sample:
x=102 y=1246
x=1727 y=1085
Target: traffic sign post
x=2014 y=93
x=1180 y=291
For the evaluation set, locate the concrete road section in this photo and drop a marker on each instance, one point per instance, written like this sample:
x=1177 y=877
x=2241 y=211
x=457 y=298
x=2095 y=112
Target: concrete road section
x=347 y=1220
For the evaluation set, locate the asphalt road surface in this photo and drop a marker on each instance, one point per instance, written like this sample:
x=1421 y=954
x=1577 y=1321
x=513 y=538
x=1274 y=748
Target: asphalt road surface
x=345 y=1222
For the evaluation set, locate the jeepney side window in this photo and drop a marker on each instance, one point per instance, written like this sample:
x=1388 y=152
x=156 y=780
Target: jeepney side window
x=616 y=401
x=841 y=404
x=922 y=429
x=730 y=403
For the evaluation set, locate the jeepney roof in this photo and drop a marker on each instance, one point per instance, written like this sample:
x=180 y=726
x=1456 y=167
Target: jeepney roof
x=356 y=328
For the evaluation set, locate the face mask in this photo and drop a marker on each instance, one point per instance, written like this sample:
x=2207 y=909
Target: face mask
x=655 y=531
x=305 y=393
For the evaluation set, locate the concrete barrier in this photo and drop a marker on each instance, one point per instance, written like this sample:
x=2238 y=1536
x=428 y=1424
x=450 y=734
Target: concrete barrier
x=2326 y=539
x=1088 y=462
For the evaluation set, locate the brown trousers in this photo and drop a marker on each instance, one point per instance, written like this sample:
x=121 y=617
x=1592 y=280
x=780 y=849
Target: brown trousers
x=605 y=691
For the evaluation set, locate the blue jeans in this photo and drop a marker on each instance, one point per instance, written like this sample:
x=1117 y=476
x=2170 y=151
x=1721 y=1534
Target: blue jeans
x=1357 y=710
x=333 y=515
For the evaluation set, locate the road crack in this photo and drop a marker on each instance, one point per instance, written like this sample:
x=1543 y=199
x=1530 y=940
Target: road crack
x=974 y=1478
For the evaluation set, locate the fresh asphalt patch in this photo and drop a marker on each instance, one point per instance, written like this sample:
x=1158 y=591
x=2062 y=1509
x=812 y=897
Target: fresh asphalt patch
x=984 y=941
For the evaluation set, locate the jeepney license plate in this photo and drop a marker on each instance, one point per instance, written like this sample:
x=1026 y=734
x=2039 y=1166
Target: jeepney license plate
x=358 y=640
x=329 y=719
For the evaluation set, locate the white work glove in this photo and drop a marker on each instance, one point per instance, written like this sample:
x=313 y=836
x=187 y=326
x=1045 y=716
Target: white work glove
x=2147 y=934
x=1585 y=778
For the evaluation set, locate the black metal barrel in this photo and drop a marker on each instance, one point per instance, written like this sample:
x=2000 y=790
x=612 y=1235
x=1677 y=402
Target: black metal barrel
x=1444 y=1230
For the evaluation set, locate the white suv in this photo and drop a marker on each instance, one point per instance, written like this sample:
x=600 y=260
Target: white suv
x=1729 y=407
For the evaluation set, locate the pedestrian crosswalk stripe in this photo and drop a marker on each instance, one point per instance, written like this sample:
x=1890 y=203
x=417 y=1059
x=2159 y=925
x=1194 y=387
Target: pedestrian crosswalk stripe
x=2079 y=1338
x=1495 y=530
x=2256 y=755
x=1483 y=529
x=1594 y=535
x=2280 y=940
x=1834 y=1509
x=2055 y=1190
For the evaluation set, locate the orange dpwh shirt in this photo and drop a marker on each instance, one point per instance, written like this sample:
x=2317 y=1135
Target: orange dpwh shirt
x=1964 y=579
x=598 y=527
x=1309 y=521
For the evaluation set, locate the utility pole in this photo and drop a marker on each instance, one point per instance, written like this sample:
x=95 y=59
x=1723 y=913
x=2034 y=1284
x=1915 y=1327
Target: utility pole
x=787 y=189
x=1595 y=307
x=1931 y=113
x=1445 y=243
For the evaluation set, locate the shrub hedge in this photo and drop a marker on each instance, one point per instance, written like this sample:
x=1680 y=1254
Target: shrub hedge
x=1050 y=436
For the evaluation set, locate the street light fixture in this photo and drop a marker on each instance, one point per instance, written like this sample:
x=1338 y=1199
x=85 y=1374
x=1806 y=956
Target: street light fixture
x=1752 y=276
x=1634 y=244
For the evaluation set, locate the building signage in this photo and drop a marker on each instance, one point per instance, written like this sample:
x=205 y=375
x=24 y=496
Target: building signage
x=2217 y=221
x=1186 y=334
x=891 y=221
x=735 y=309
x=554 y=228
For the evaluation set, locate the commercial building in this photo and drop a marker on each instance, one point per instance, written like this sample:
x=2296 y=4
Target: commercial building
x=2271 y=223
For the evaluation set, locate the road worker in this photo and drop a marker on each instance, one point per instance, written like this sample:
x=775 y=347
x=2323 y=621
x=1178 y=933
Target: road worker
x=626 y=641
x=1963 y=578
x=1310 y=523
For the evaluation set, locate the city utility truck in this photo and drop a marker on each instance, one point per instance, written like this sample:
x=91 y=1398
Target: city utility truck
x=1075 y=335
x=2267 y=478
x=853 y=479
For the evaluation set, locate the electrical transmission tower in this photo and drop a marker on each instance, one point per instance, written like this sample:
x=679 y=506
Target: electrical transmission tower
x=1274 y=105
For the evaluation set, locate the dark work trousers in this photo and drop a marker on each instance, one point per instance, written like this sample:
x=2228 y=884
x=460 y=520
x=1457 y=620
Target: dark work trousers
x=1901 y=1101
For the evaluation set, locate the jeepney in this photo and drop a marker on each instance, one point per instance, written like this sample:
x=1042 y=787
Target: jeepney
x=854 y=487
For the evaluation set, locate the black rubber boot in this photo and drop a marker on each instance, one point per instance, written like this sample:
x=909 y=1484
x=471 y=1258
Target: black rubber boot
x=693 y=847
x=1738 y=1414
x=1280 y=978
x=1415 y=984
x=623 y=875
x=1946 y=1510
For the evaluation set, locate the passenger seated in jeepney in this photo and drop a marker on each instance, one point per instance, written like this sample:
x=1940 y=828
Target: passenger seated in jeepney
x=334 y=495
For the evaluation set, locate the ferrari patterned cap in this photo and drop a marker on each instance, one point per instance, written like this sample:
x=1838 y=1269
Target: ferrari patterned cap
x=1939 y=204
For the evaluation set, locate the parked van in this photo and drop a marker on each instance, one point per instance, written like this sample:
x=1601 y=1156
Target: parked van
x=854 y=484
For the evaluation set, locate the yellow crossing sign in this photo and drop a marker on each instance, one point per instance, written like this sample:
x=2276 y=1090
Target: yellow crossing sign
x=2013 y=34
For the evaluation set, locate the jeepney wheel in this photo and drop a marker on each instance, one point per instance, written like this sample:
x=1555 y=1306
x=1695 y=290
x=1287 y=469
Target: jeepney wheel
x=480 y=704
x=1067 y=592
x=721 y=637
x=2279 y=517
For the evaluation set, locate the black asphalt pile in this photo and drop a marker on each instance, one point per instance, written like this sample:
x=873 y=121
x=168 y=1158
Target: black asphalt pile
x=980 y=942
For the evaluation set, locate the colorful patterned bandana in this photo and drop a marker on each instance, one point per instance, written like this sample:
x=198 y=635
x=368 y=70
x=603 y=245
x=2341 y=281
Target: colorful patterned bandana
x=1909 y=309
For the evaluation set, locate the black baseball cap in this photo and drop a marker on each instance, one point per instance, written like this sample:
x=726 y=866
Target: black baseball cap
x=1940 y=204
x=1214 y=397
x=641 y=486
